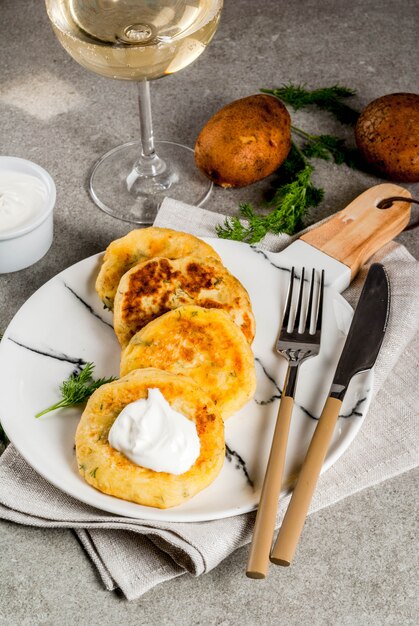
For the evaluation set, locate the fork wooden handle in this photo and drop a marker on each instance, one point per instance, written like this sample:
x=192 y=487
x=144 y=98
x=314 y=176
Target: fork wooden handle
x=258 y=563
x=294 y=519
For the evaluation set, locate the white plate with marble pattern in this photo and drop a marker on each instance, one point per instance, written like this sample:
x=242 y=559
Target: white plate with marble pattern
x=63 y=325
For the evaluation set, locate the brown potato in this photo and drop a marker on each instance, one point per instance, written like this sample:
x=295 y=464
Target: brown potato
x=387 y=136
x=245 y=141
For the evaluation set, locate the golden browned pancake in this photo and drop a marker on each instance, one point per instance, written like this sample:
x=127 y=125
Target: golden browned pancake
x=140 y=245
x=154 y=287
x=110 y=471
x=204 y=344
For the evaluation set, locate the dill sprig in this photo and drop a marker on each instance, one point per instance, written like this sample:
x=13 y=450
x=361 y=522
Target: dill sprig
x=289 y=204
x=77 y=388
x=296 y=193
x=327 y=98
x=327 y=147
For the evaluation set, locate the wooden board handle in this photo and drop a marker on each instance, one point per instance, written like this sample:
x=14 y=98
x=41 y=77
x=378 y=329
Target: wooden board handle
x=263 y=532
x=294 y=519
x=353 y=235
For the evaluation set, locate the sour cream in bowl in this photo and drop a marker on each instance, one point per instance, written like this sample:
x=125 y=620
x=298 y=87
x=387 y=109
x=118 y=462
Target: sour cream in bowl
x=27 y=199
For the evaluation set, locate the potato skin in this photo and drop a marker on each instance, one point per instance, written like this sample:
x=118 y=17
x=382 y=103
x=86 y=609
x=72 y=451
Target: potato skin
x=244 y=141
x=387 y=136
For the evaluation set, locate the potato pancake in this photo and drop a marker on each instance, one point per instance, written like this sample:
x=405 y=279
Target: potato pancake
x=138 y=246
x=111 y=472
x=159 y=285
x=204 y=344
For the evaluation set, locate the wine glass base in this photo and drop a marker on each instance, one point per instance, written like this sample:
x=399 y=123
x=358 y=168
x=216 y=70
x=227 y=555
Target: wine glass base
x=118 y=189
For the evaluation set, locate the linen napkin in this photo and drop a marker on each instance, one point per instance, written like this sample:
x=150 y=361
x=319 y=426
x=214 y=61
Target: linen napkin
x=135 y=555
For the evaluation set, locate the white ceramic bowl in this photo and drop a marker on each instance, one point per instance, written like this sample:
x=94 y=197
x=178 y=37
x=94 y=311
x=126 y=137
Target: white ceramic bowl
x=27 y=244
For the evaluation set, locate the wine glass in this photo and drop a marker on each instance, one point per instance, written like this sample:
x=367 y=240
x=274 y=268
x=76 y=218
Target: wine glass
x=139 y=40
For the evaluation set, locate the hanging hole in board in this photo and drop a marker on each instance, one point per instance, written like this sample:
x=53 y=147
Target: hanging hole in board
x=387 y=203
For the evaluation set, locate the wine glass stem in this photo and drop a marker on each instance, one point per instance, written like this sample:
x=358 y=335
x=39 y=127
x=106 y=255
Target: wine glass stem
x=149 y=164
x=146 y=120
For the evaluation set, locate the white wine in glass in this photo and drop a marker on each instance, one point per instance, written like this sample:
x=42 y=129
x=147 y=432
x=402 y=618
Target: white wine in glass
x=139 y=40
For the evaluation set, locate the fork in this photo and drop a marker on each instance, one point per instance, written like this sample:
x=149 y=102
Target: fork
x=296 y=347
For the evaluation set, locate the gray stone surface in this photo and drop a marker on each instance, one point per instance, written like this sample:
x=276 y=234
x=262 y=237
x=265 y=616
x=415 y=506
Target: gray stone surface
x=355 y=566
x=356 y=563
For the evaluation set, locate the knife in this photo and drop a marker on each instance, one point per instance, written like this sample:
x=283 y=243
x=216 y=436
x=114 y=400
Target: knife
x=359 y=353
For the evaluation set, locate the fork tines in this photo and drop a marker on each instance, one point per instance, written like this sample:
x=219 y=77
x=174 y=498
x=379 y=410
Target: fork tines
x=303 y=317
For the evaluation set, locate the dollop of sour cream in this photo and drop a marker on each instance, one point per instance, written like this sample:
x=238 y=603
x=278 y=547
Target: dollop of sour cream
x=152 y=434
x=22 y=197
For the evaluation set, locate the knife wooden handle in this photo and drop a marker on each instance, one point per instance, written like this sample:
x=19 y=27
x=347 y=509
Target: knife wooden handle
x=353 y=235
x=294 y=519
x=258 y=563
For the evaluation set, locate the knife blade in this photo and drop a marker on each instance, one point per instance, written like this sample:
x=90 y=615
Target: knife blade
x=366 y=332
x=359 y=353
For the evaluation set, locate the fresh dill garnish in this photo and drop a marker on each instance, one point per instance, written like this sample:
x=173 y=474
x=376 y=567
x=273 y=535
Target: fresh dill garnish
x=296 y=193
x=327 y=147
x=326 y=98
x=77 y=388
x=289 y=204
